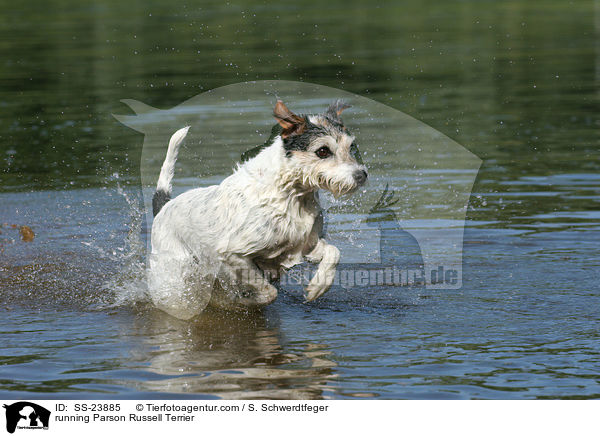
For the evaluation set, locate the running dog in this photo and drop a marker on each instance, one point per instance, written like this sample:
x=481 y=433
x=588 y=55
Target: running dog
x=223 y=245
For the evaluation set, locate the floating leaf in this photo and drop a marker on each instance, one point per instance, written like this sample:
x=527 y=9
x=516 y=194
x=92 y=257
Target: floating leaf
x=27 y=234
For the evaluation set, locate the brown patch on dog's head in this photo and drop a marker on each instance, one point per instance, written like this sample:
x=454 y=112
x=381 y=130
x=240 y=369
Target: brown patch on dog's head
x=291 y=123
x=335 y=109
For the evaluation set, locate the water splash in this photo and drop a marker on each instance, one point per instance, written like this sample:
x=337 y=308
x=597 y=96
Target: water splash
x=128 y=286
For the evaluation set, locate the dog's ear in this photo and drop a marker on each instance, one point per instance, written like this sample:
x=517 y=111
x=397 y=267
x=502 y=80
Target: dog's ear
x=336 y=108
x=291 y=123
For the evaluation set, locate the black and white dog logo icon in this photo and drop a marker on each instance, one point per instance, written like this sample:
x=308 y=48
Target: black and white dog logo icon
x=26 y=415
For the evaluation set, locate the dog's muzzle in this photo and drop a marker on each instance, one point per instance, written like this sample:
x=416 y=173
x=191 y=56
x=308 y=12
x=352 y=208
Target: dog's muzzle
x=360 y=177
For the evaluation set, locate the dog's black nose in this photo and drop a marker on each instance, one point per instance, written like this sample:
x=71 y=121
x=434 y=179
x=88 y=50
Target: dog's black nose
x=360 y=176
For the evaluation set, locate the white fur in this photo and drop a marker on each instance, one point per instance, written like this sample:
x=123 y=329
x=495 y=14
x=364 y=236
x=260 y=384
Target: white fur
x=221 y=244
x=168 y=168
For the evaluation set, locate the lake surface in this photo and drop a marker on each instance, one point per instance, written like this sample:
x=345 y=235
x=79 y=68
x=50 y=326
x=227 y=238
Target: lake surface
x=514 y=83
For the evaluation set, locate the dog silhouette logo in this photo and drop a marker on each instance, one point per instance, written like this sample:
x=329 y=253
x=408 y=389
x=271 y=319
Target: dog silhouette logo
x=26 y=415
x=411 y=216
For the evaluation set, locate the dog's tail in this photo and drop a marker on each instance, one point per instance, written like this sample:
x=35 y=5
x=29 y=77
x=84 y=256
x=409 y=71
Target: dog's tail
x=163 y=187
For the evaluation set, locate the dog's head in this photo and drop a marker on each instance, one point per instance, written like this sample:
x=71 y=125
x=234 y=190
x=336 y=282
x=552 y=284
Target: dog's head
x=321 y=151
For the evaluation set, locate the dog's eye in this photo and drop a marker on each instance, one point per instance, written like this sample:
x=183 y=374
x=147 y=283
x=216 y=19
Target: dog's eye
x=323 y=152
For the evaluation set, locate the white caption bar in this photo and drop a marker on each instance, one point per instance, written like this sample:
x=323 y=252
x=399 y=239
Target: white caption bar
x=23 y=417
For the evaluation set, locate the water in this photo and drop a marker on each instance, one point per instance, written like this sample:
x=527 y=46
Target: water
x=516 y=84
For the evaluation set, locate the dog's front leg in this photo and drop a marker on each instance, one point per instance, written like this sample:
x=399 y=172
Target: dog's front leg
x=242 y=285
x=328 y=257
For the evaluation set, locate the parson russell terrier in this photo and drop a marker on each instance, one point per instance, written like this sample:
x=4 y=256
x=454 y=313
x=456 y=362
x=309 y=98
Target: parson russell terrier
x=223 y=245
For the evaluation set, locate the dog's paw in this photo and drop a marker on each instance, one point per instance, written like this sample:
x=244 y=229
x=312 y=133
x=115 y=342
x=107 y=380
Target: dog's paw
x=313 y=292
x=267 y=295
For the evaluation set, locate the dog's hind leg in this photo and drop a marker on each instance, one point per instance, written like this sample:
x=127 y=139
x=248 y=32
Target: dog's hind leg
x=241 y=284
x=179 y=285
x=328 y=257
